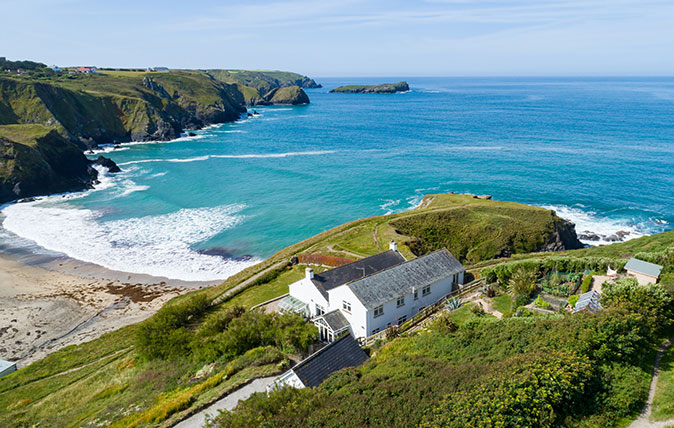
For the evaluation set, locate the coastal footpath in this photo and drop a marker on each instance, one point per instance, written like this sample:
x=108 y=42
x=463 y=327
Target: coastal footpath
x=383 y=88
x=48 y=118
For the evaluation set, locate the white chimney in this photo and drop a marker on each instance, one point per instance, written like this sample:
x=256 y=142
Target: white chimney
x=393 y=246
x=309 y=273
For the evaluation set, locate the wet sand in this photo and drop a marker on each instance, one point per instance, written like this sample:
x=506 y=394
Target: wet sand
x=55 y=303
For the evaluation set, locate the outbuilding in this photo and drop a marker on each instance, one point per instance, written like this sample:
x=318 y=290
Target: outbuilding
x=644 y=272
x=312 y=371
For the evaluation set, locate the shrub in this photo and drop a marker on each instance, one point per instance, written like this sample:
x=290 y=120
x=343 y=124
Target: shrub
x=164 y=335
x=522 y=282
x=521 y=300
x=454 y=303
x=573 y=300
x=445 y=323
x=478 y=310
x=541 y=303
x=585 y=286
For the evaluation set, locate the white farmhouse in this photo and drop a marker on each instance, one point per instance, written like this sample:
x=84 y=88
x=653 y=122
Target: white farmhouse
x=369 y=295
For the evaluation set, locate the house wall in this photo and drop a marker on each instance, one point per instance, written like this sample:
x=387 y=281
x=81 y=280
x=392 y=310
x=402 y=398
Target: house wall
x=304 y=290
x=643 y=279
x=358 y=315
x=393 y=314
x=289 y=378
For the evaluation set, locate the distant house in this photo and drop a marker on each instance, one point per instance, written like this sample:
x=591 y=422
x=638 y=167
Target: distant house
x=312 y=371
x=588 y=302
x=6 y=367
x=644 y=272
x=56 y=68
x=369 y=295
x=88 y=70
x=158 y=69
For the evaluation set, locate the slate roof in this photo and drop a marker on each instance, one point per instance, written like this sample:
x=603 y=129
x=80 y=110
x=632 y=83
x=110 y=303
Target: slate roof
x=339 y=276
x=399 y=280
x=335 y=319
x=588 y=301
x=341 y=353
x=4 y=365
x=641 y=266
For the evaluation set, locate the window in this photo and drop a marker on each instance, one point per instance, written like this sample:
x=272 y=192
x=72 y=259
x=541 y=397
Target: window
x=319 y=309
x=346 y=306
x=401 y=301
x=426 y=291
x=376 y=330
x=378 y=311
x=402 y=320
x=416 y=295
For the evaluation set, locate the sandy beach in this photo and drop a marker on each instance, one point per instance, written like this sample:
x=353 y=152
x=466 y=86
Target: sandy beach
x=43 y=310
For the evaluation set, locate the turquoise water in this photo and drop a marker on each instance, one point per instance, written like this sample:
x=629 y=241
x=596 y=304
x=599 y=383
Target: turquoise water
x=599 y=151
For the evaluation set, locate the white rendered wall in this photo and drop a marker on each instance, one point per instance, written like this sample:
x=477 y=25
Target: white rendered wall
x=305 y=291
x=642 y=279
x=358 y=315
x=289 y=378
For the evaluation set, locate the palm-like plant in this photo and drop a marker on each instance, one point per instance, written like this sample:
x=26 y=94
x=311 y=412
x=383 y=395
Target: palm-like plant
x=522 y=283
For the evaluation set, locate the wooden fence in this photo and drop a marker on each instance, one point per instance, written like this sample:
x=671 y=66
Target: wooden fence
x=426 y=312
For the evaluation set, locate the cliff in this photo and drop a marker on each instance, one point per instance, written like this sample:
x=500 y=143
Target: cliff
x=37 y=160
x=115 y=106
x=384 y=88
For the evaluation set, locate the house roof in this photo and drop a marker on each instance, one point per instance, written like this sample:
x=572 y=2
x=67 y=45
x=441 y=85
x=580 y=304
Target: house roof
x=344 y=352
x=5 y=365
x=399 y=280
x=341 y=275
x=650 y=269
x=588 y=301
x=335 y=320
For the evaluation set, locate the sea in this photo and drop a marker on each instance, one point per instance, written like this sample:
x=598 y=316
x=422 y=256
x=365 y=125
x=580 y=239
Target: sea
x=599 y=151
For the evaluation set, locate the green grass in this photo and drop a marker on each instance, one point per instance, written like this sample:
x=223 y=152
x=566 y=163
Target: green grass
x=261 y=293
x=463 y=314
x=663 y=403
x=503 y=303
x=24 y=133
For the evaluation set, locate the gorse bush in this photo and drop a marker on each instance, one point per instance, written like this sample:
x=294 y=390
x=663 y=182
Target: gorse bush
x=522 y=283
x=587 y=282
x=164 y=335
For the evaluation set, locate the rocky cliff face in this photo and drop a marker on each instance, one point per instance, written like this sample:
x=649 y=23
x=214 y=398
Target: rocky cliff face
x=563 y=237
x=48 y=164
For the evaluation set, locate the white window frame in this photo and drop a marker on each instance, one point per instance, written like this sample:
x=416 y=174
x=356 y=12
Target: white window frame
x=346 y=306
x=319 y=309
x=379 y=311
x=416 y=294
x=401 y=301
x=426 y=291
x=402 y=320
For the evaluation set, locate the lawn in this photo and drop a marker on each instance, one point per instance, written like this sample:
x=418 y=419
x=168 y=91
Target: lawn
x=502 y=303
x=663 y=403
x=261 y=293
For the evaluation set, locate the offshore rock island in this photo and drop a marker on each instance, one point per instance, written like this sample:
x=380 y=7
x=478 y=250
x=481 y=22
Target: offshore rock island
x=384 y=88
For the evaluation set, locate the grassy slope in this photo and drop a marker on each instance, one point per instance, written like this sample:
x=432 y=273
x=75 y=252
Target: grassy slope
x=262 y=80
x=88 y=380
x=663 y=403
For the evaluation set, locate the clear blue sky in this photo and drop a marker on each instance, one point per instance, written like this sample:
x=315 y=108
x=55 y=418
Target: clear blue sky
x=349 y=37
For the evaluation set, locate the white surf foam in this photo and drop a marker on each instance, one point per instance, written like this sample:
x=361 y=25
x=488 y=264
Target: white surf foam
x=602 y=226
x=156 y=245
x=250 y=156
x=389 y=205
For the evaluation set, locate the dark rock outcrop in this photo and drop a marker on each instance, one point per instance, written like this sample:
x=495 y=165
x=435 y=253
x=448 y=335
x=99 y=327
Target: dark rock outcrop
x=107 y=163
x=563 y=237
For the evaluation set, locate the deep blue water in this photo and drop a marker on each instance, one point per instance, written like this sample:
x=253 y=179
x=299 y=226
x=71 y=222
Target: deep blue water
x=600 y=151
